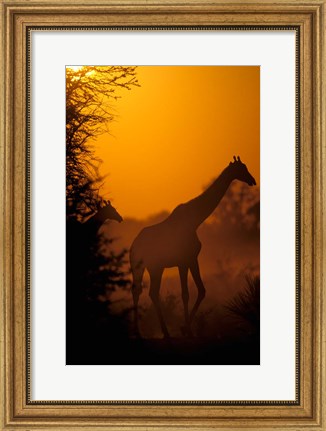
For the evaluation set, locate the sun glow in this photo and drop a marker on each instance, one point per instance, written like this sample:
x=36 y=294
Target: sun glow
x=183 y=124
x=75 y=68
x=82 y=70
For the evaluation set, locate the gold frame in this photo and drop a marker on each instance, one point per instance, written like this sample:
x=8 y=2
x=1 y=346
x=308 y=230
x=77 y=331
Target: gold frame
x=17 y=411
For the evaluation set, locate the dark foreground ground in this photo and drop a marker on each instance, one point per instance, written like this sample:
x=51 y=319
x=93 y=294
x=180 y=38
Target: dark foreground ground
x=86 y=350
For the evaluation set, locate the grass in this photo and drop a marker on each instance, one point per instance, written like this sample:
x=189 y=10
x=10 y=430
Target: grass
x=245 y=306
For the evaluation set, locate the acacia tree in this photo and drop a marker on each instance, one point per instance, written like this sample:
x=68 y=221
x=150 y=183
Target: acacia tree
x=90 y=276
x=90 y=91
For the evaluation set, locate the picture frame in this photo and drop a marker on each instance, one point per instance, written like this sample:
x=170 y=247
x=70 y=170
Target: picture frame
x=18 y=411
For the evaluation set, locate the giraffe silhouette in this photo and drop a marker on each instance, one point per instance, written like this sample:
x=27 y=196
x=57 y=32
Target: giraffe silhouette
x=174 y=243
x=104 y=212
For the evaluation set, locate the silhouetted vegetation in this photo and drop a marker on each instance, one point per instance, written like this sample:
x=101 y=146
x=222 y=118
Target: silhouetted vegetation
x=239 y=211
x=245 y=306
x=90 y=91
x=91 y=275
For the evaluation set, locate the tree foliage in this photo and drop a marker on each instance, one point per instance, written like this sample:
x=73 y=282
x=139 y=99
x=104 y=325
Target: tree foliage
x=90 y=92
x=240 y=208
x=91 y=277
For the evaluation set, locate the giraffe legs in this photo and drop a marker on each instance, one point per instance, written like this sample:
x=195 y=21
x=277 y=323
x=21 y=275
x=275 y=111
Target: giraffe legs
x=194 y=269
x=183 y=272
x=154 y=293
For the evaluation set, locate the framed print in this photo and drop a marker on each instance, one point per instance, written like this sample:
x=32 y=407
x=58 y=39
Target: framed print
x=163 y=211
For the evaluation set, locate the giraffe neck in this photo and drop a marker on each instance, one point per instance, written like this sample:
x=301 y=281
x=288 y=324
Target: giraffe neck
x=198 y=209
x=95 y=222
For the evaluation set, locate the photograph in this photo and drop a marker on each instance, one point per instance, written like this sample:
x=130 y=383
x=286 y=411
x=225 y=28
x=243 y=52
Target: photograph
x=162 y=215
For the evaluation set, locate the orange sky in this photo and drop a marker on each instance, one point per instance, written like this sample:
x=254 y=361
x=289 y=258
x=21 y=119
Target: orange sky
x=176 y=133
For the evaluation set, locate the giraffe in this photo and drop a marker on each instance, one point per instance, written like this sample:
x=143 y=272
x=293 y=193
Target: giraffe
x=174 y=243
x=106 y=212
x=82 y=237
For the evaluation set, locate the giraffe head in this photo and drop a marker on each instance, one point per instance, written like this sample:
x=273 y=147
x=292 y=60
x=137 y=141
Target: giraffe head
x=108 y=212
x=240 y=172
